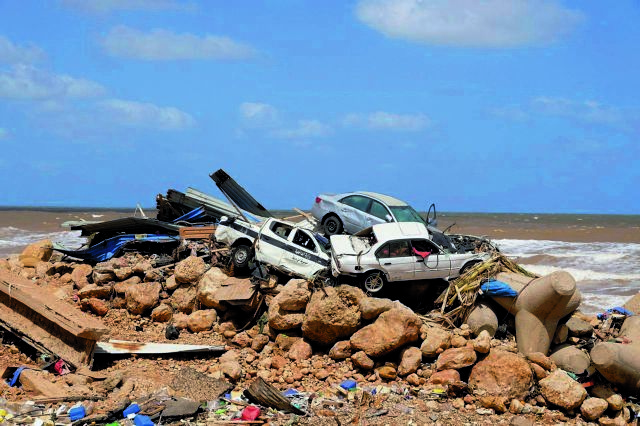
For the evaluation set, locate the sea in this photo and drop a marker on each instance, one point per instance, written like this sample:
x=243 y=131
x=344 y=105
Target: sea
x=602 y=252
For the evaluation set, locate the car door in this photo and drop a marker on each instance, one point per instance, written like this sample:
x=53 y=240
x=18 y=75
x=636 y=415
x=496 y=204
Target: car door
x=397 y=261
x=302 y=255
x=376 y=214
x=435 y=264
x=353 y=210
x=272 y=242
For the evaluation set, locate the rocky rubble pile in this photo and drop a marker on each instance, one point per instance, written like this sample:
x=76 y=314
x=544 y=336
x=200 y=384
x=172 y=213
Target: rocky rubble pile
x=311 y=338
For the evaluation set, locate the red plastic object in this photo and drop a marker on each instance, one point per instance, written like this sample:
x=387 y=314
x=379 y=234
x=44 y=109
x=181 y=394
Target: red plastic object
x=250 y=413
x=318 y=199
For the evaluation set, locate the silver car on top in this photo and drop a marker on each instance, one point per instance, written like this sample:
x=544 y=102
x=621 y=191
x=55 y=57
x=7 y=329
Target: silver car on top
x=354 y=211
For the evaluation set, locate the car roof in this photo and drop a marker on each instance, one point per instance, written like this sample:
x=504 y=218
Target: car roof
x=390 y=231
x=387 y=199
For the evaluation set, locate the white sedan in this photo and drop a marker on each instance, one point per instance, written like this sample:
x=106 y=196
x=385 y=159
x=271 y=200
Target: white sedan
x=402 y=251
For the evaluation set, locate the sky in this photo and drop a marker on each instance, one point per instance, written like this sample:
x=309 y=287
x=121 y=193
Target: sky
x=477 y=106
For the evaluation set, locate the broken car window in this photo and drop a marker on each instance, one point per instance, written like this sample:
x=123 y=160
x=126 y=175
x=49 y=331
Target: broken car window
x=281 y=230
x=357 y=202
x=303 y=240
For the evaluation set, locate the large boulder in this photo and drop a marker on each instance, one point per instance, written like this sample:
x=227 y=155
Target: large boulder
x=633 y=304
x=561 y=390
x=502 y=374
x=437 y=340
x=294 y=296
x=81 y=275
x=40 y=251
x=142 y=297
x=190 y=270
x=371 y=307
x=209 y=284
x=202 y=320
x=392 y=330
x=184 y=299
x=330 y=317
x=456 y=358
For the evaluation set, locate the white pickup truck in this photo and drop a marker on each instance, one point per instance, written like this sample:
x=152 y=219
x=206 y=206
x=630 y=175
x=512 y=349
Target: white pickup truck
x=280 y=244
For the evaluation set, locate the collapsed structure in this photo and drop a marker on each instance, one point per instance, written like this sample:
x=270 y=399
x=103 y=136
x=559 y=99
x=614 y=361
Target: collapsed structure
x=498 y=339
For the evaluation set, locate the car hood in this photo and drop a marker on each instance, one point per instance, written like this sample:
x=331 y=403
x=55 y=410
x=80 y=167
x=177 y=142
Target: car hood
x=341 y=244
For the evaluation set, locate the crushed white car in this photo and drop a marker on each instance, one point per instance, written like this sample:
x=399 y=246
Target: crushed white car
x=404 y=251
x=282 y=245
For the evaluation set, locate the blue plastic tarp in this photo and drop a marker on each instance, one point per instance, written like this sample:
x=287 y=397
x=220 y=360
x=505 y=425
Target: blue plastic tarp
x=498 y=289
x=106 y=249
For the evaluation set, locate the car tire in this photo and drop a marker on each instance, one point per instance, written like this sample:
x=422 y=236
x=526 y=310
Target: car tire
x=373 y=282
x=241 y=256
x=468 y=266
x=332 y=225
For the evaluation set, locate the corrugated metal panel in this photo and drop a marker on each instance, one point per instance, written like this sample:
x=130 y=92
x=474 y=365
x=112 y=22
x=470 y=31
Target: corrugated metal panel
x=238 y=194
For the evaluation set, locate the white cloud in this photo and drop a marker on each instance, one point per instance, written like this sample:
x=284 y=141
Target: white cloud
x=588 y=111
x=164 y=45
x=303 y=129
x=256 y=114
x=146 y=115
x=11 y=53
x=470 y=23
x=381 y=120
x=108 y=6
x=511 y=113
x=4 y=134
x=27 y=82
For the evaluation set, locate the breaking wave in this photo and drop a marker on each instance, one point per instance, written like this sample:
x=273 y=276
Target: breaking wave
x=13 y=240
x=606 y=273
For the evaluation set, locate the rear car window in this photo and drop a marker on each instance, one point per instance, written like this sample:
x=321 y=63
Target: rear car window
x=357 y=202
x=378 y=210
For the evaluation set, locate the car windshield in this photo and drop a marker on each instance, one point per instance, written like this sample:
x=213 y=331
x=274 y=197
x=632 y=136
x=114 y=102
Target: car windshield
x=325 y=245
x=406 y=214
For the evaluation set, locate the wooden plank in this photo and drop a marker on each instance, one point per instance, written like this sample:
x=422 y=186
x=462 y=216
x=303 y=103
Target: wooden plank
x=46 y=323
x=44 y=304
x=197 y=232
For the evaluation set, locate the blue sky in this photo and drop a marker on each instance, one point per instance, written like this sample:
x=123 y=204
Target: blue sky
x=496 y=105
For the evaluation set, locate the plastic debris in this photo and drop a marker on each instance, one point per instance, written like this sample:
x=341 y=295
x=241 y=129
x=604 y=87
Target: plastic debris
x=348 y=384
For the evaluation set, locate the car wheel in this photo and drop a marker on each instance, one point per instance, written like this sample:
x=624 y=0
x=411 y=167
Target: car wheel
x=332 y=225
x=373 y=282
x=241 y=256
x=468 y=266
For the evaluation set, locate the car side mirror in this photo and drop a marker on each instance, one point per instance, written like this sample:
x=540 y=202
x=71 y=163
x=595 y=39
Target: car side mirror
x=388 y=218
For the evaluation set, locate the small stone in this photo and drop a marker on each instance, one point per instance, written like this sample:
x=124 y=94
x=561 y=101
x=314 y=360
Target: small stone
x=516 y=407
x=456 y=358
x=593 y=408
x=411 y=358
x=300 y=351
x=341 y=350
x=482 y=343
x=259 y=342
x=362 y=360
x=458 y=341
x=561 y=390
x=201 y=320
x=386 y=372
x=542 y=360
